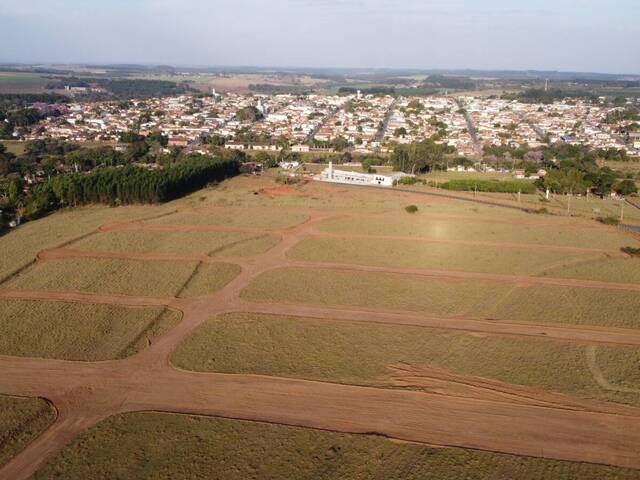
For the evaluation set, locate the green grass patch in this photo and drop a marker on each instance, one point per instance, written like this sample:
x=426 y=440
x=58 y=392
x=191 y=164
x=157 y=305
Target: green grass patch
x=439 y=256
x=324 y=350
x=126 y=277
x=84 y=332
x=502 y=186
x=21 y=421
x=165 y=446
x=178 y=243
x=477 y=299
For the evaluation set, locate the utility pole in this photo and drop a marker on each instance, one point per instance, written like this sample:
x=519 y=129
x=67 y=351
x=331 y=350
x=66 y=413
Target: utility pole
x=622 y=212
x=569 y=203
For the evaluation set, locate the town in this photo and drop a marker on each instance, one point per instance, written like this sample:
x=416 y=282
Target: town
x=363 y=124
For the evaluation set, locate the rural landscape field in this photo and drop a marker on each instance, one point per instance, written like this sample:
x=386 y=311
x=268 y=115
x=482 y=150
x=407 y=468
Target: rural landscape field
x=318 y=331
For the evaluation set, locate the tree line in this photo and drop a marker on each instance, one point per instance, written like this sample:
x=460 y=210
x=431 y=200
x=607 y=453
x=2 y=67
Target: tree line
x=126 y=185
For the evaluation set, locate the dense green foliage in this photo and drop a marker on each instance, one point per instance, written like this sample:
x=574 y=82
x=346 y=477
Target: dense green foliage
x=127 y=185
x=420 y=157
x=535 y=95
x=470 y=185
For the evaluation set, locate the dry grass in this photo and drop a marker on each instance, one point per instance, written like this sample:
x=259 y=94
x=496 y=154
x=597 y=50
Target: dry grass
x=416 y=254
x=21 y=421
x=324 y=350
x=603 y=269
x=21 y=246
x=84 y=332
x=603 y=238
x=271 y=220
x=547 y=304
x=126 y=277
x=165 y=446
x=178 y=243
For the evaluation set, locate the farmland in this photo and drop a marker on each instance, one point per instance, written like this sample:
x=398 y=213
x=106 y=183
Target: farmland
x=334 y=311
x=161 y=446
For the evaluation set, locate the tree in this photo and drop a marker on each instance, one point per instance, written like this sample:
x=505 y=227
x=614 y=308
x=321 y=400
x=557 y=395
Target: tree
x=420 y=157
x=249 y=114
x=626 y=187
x=400 y=132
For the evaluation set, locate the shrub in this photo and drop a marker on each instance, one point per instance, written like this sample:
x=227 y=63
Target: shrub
x=287 y=180
x=609 y=220
x=634 y=252
x=411 y=209
x=407 y=181
x=469 y=185
x=541 y=211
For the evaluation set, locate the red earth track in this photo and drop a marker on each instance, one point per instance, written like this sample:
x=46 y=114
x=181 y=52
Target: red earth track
x=86 y=393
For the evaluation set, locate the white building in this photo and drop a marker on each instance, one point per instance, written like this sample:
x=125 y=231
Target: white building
x=329 y=174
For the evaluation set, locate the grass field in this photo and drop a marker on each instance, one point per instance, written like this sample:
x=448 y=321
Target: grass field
x=363 y=354
x=18 y=82
x=164 y=446
x=20 y=246
x=268 y=219
x=624 y=270
x=71 y=331
x=178 y=243
x=126 y=277
x=483 y=229
x=21 y=421
x=15 y=147
x=413 y=254
x=539 y=303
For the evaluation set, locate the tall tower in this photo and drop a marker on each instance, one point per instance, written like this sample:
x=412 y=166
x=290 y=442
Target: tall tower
x=546 y=85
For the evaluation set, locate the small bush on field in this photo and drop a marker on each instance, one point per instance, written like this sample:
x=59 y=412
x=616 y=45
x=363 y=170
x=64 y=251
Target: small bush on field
x=634 y=252
x=469 y=185
x=286 y=180
x=541 y=211
x=411 y=209
x=609 y=220
x=407 y=181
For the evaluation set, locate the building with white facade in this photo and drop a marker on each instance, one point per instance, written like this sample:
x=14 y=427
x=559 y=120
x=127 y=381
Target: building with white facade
x=329 y=174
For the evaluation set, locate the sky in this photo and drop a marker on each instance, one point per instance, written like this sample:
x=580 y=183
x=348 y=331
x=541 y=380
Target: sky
x=567 y=35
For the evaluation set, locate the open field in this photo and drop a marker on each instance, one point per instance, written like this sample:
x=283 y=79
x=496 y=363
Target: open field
x=532 y=230
x=379 y=355
x=21 y=420
x=606 y=269
x=495 y=300
x=363 y=318
x=176 y=243
x=578 y=206
x=126 y=277
x=15 y=147
x=272 y=220
x=19 y=82
x=73 y=331
x=412 y=254
x=164 y=446
x=21 y=246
